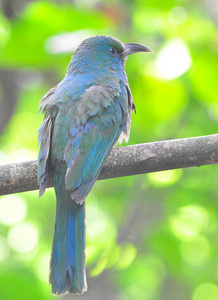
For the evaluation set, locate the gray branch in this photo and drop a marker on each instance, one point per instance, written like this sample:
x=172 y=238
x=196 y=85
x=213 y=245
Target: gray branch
x=125 y=161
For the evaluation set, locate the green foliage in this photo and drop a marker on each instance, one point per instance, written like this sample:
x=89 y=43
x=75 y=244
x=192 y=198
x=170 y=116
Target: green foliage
x=149 y=237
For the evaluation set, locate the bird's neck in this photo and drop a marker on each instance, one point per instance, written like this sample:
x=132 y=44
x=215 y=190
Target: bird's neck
x=100 y=71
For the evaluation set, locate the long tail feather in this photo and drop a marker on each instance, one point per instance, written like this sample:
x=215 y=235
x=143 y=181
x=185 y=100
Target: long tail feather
x=67 y=266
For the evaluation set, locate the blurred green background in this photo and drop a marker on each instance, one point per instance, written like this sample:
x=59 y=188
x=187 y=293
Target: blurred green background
x=149 y=237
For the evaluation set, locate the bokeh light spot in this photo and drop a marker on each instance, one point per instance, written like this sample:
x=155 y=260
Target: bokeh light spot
x=206 y=291
x=173 y=60
x=21 y=154
x=4 y=30
x=127 y=256
x=96 y=220
x=23 y=237
x=2 y=154
x=91 y=253
x=177 y=15
x=66 y=42
x=13 y=209
x=42 y=266
x=189 y=221
x=102 y=262
x=164 y=178
x=195 y=251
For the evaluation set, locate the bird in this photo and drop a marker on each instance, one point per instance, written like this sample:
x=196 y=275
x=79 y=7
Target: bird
x=85 y=116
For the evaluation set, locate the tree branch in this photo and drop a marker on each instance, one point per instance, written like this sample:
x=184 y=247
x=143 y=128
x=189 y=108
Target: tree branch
x=125 y=161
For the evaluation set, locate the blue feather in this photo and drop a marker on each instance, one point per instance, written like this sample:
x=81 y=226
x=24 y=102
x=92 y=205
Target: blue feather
x=67 y=269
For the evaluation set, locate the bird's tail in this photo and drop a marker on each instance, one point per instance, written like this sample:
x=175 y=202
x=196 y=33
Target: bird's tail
x=67 y=265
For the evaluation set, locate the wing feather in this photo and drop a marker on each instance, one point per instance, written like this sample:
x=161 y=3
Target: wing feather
x=45 y=140
x=89 y=143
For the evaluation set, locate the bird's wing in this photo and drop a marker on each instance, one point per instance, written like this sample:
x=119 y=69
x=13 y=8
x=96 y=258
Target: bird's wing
x=47 y=99
x=44 y=139
x=98 y=121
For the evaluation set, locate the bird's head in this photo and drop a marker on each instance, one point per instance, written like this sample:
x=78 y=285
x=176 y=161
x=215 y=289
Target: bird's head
x=104 y=51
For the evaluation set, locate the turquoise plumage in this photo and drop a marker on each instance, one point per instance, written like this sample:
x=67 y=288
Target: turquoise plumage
x=86 y=114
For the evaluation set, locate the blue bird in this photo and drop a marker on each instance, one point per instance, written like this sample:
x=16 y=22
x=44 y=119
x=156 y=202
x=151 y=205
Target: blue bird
x=86 y=114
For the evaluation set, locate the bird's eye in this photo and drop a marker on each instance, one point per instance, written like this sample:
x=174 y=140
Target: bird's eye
x=112 y=51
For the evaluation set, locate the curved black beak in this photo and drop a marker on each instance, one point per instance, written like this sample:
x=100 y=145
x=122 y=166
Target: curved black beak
x=131 y=48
